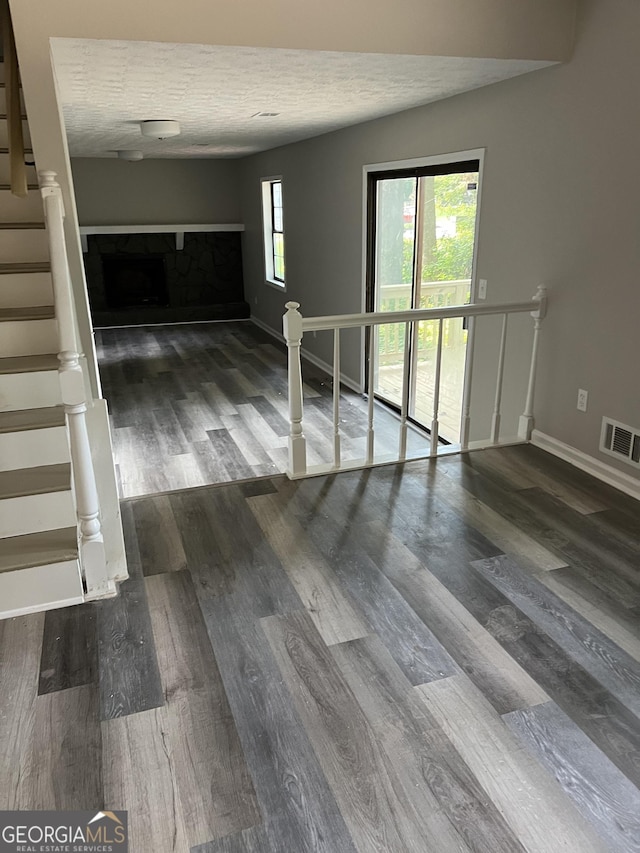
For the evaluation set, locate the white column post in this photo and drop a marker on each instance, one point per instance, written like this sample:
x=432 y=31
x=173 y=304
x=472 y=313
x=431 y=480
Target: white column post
x=92 y=552
x=435 y=425
x=292 y=327
x=336 y=398
x=371 y=435
x=466 y=396
x=410 y=329
x=525 y=427
x=497 y=405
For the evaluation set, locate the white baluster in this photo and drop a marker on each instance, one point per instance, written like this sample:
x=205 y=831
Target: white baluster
x=404 y=409
x=72 y=386
x=371 y=377
x=435 y=426
x=495 y=421
x=468 y=378
x=292 y=327
x=54 y=214
x=336 y=398
x=526 y=424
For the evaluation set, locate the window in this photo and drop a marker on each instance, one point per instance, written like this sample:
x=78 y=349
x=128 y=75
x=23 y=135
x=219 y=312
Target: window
x=273 y=230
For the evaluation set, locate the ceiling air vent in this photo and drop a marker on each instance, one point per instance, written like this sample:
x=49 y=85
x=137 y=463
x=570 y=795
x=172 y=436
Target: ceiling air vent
x=621 y=441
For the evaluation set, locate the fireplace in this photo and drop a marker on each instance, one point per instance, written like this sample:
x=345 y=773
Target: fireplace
x=143 y=278
x=134 y=281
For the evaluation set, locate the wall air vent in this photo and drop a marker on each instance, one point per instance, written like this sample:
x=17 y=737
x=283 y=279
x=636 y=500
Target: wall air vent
x=621 y=441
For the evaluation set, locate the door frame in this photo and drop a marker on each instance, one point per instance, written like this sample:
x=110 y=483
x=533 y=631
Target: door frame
x=367 y=248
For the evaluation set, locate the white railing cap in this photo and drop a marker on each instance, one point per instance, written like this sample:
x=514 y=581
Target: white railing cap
x=378 y=318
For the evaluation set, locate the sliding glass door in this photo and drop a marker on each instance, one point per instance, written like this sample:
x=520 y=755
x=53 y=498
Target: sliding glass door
x=422 y=231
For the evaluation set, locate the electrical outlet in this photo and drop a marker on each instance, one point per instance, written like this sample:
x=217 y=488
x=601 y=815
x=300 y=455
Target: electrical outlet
x=482 y=288
x=583 y=396
x=255 y=300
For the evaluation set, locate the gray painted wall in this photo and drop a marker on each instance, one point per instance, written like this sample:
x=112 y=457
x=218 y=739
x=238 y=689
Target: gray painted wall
x=156 y=192
x=559 y=205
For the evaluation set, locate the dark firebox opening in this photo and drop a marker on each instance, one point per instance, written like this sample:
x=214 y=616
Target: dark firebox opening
x=135 y=281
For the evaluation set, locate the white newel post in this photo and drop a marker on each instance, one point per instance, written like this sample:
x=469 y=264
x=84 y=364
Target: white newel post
x=92 y=552
x=525 y=427
x=292 y=327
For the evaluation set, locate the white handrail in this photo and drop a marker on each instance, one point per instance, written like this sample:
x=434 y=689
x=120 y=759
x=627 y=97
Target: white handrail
x=295 y=325
x=415 y=315
x=92 y=552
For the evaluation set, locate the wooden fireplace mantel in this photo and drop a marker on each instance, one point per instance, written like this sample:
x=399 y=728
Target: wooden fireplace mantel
x=178 y=230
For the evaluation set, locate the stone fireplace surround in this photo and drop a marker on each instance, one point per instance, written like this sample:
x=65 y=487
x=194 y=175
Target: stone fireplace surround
x=203 y=272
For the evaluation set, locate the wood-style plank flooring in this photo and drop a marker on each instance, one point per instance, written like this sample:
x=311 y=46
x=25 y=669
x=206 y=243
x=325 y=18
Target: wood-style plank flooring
x=436 y=657
x=202 y=403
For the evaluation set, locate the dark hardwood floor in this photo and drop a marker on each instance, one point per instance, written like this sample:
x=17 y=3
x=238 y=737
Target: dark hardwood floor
x=204 y=403
x=436 y=657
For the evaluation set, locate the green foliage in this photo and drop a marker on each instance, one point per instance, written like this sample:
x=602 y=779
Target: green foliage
x=446 y=258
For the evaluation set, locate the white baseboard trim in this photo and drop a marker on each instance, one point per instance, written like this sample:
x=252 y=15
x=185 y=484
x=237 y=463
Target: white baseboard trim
x=600 y=470
x=308 y=356
x=262 y=325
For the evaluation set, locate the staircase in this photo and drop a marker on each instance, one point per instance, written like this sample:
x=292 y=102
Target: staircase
x=51 y=546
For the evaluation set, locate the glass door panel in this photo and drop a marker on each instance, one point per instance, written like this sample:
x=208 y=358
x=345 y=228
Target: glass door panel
x=423 y=231
x=395 y=216
x=447 y=213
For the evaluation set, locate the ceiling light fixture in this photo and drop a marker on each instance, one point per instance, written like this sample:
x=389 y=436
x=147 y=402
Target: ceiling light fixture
x=159 y=129
x=129 y=154
x=265 y=115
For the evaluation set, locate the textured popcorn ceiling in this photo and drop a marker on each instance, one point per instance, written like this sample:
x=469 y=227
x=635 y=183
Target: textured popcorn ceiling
x=107 y=87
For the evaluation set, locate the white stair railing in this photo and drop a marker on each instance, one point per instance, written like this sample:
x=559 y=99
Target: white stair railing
x=74 y=397
x=295 y=325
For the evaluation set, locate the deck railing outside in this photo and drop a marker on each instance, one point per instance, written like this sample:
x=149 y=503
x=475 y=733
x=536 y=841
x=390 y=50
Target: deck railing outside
x=433 y=294
x=295 y=325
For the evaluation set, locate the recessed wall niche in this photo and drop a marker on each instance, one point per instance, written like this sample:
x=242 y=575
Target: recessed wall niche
x=202 y=281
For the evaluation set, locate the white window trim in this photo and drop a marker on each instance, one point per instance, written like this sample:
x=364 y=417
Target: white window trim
x=267 y=233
